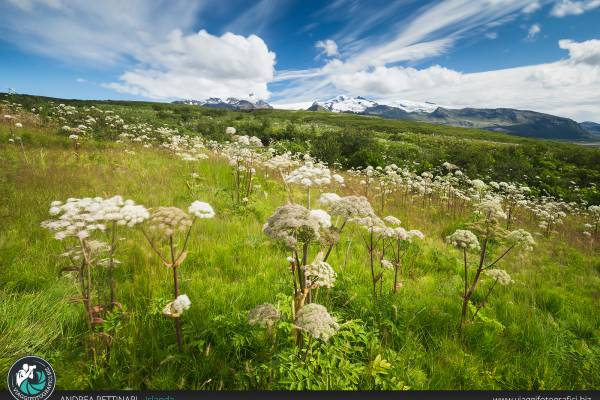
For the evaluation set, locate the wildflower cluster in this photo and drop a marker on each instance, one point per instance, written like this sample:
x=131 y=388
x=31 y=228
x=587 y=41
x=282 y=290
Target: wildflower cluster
x=316 y=320
x=464 y=239
x=265 y=315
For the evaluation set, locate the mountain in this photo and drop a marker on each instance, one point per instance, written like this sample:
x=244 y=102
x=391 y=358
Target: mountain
x=317 y=107
x=231 y=103
x=359 y=104
x=591 y=127
x=346 y=104
x=508 y=120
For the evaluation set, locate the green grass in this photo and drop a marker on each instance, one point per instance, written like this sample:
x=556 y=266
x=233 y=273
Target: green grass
x=548 y=167
x=550 y=315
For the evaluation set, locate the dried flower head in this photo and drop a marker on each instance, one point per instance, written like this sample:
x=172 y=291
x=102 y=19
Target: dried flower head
x=167 y=221
x=291 y=224
x=265 y=315
x=314 y=319
x=352 y=207
x=387 y=264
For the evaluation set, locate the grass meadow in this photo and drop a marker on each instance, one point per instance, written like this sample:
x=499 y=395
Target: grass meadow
x=539 y=333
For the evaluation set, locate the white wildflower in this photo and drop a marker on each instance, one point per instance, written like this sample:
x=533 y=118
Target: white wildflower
x=500 y=275
x=327 y=199
x=176 y=307
x=201 y=210
x=321 y=216
x=387 y=264
x=521 y=238
x=464 y=239
x=491 y=209
x=314 y=319
x=319 y=274
x=390 y=219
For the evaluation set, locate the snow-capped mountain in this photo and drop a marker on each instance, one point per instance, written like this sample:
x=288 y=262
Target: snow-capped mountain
x=231 y=103
x=519 y=122
x=359 y=104
x=412 y=106
x=343 y=103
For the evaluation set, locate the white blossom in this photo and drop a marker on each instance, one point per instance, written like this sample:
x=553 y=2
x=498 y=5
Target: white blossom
x=201 y=210
x=464 y=239
x=314 y=319
x=500 y=275
x=319 y=274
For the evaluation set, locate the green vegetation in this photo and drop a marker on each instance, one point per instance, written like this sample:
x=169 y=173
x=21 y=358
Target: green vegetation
x=549 y=167
x=542 y=332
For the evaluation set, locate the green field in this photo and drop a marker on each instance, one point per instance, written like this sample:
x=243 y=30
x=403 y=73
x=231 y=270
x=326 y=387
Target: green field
x=541 y=332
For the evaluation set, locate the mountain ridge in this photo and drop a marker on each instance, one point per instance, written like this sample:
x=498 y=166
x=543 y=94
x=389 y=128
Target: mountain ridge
x=231 y=103
x=509 y=120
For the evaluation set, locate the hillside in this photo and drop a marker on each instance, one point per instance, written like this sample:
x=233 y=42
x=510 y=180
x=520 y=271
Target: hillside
x=591 y=127
x=553 y=168
x=227 y=262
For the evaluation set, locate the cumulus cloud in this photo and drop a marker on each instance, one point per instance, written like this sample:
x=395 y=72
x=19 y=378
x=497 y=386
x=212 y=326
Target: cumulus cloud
x=564 y=8
x=384 y=81
x=201 y=65
x=587 y=52
x=147 y=40
x=569 y=87
x=533 y=32
x=327 y=47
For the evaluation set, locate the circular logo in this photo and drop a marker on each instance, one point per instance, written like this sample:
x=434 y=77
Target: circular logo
x=31 y=378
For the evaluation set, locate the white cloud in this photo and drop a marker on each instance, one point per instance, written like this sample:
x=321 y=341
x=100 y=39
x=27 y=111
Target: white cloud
x=532 y=7
x=533 y=32
x=570 y=87
x=491 y=35
x=564 y=8
x=103 y=33
x=431 y=31
x=384 y=81
x=144 y=38
x=587 y=52
x=200 y=66
x=327 y=47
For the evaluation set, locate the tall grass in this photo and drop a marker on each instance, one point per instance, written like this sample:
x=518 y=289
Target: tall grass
x=541 y=332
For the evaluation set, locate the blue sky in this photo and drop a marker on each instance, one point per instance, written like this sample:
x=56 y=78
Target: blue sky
x=542 y=55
